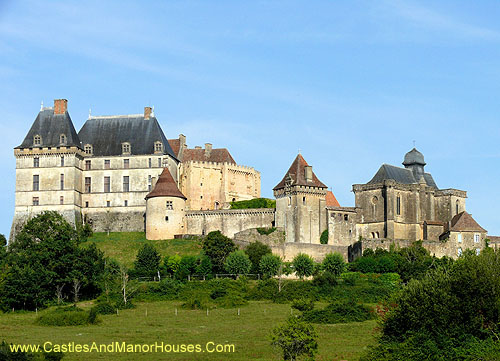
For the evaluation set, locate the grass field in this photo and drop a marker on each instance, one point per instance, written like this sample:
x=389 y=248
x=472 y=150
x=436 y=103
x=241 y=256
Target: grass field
x=123 y=246
x=249 y=332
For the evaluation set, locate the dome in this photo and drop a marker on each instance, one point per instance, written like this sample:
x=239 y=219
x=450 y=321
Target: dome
x=414 y=157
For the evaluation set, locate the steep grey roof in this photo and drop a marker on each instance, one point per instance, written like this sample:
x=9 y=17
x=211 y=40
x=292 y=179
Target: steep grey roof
x=49 y=127
x=414 y=157
x=400 y=175
x=106 y=135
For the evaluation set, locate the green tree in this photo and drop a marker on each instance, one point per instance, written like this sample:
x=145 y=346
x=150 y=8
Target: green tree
x=270 y=265
x=334 y=264
x=147 y=262
x=171 y=263
x=296 y=338
x=255 y=251
x=187 y=266
x=238 y=263
x=217 y=247
x=323 y=239
x=204 y=265
x=3 y=248
x=303 y=265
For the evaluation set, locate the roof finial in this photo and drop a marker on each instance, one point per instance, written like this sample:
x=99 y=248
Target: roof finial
x=153 y=111
x=414 y=144
x=41 y=106
x=90 y=112
x=299 y=151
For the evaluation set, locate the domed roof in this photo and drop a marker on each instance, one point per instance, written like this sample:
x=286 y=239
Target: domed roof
x=414 y=157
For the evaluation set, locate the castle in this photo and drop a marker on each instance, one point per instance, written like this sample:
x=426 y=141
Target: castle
x=120 y=173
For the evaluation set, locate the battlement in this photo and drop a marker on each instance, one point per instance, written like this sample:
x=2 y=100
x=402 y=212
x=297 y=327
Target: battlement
x=230 y=166
x=48 y=151
x=231 y=212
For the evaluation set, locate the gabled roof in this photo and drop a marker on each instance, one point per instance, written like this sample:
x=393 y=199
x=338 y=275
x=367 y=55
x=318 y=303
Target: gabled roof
x=400 y=175
x=165 y=187
x=218 y=155
x=331 y=201
x=49 y=127
x=106 y=135
x=296 y=174
x=463 y=222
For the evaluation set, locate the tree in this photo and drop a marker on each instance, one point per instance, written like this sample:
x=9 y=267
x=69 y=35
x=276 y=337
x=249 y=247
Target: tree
x=334 y=264
x=296 y=338
x=217 y=247
x=204 y=265
x=303 y=265
x=270 y=265
x=255 y=252
x=323 y=239
x=238 y=263
x=187 y=266
x=147 y=262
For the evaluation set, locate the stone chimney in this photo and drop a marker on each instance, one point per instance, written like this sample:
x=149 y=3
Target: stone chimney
x=147 y=112
x=308 y=173
x=60 y=106
x=208 y=149
x=182 y=140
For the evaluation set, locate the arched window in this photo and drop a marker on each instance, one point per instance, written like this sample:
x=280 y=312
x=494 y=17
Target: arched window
x=37 y=140
x=62 y=139
x=374 y=205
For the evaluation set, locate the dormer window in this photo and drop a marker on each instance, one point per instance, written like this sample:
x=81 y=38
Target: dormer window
x=37 y=140
x=125 y=148
x=62 y=139
x=88 y=149
x=158 y=147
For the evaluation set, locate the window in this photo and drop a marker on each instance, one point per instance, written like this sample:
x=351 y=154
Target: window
x=303 y=200
x=107 y=164
x=477 y=237
x=62 y=139
x=459 y=251
x=88 y=165
x=478 y=250
x=170 y=205
x=456 y=206
x=86 y=204
x=62 y=161
x=108 y=204
x=36 y=182
x=36 y=202
x=158 y=147
x=149 y=162
x=126 y=148
x=88 y=185
x=37 y=140
x=217 y=205
x=61 y=200
x=125 y=203
x=289 y=201
x=36 y=162
x=126 y=163
x=149 y=182
x=159 y=162
x=398 y=205
x=346 y=217
x=166 y=218
x=107 y=184
x=126 y=183
x=201 y=197
x=61 y=181
x=88 y=149
x=459 y=238
x=201 y=184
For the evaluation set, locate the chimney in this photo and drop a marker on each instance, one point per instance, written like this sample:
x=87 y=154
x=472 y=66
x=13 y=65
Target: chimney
x=308 y=173
x=60 y=106
x=147 y=112
x=182 y=140
x=208 y=149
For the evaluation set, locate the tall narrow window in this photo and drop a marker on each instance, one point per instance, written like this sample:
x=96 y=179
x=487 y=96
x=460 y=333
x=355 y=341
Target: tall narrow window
x=36 y=162
x=398 y=205
x=61 y=182
x=37 y=140
x=456 y=206
x=459 y=238
x=107 y=164
x=88 y=165
x=125 y=203
x=304 y=200
x=62 y=139
x=36 y=182
x=126 y=163
x=149 y=163
x=108 y=203
x=62 y=161
x=159 y=162
x=107 y=184
x=87 y=204
x=36 y=201
x=149 y=182
x=61 y=200
x=125 y=183
x=477 y=237
x=88 y=185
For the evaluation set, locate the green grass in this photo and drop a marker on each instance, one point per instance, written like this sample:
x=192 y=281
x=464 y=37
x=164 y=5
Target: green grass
x=249 y=332
x=123 y=246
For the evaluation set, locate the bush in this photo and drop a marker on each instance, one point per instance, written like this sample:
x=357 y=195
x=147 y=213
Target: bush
x=255 y=252
x=340 y=312
x=334 y=263
x=269 y=265
x=351 y=278
x=303 y=265
x=217 y=247
x=238 y=263
x=303 y=304
x=266 y=231
x=67 y=316
x=104 y=308
x=204 y=265
x=198 y=300
x=295 y=338
x=323 y=239
x=254 y=203
x=231 y=301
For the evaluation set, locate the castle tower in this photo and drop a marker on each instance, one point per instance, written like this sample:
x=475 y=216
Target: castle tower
x=165 y=209
x=48 y=168
x=301 y=203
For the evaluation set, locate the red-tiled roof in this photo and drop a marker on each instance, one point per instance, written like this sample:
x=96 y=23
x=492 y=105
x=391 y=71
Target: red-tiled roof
x=464 y=222
x=175 y=144
x=218 y=155
x=331 y=200
x=165 y=187
x=297 y=175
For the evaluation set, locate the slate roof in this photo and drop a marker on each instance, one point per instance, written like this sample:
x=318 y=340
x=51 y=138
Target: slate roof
x=165 y=187
x=414 y=157
x=50 y=126
x=296 y=174
x=400 y=175
x=106 y=135
x=463 y=222
x=218 y=155
x=331 y=201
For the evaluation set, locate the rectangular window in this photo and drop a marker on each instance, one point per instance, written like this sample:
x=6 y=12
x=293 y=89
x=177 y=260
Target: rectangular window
x=62 y=161
x=61 y=200
x=149 y=182
x=170 y=205
x=478 y=251
x=86 y=204
x=126 y=163
x=107 y=164
x=88 y=165
x=398 y=205
x=62 y=182
x=126 y=184
x=88 y=185
x=36 y=201
x=36 y=182
x=126 y=203
x=149 y=162
x=108 y=203
x=459 y=238
x=159 y=162
x=107 y=184
x=477 y=237
x=36 y=162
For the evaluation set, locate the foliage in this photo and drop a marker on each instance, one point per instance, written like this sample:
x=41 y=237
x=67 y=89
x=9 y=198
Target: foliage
x=67 y=316
x=303 y=304
x=217 y=247
x=104 y=308
x=323 y=239
x=296 y=338
x=340 y=312
x=238 y=263
x=147 y=262
x=334 y=263
x=7 y=355
x=187 y=266
x=269 y=265
x=254 y=203
x=303 y=265
x=204 y=265
x=171 y=264
x=266 y=231
x=255 y=251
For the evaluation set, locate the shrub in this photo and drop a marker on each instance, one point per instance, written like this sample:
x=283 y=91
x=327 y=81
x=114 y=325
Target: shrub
x=67 y=316
x=334 y=263
x=303 y=265
x=303 y=304
x=295 y=338
x=254 y=203
x=351 y=278
x=204 y=265
x=269 y=265
x=340 y=312
x=266 y=231
x=255 y=252
x=217 y=247
x=104 y=308
x=238 y=263
x=231 y=300
x=323 y=239
x=197 y=300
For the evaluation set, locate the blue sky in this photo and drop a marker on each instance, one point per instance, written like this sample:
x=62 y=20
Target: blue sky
x=350 y=83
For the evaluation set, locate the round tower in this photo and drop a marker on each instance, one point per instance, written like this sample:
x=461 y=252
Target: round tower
x=165 y=209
